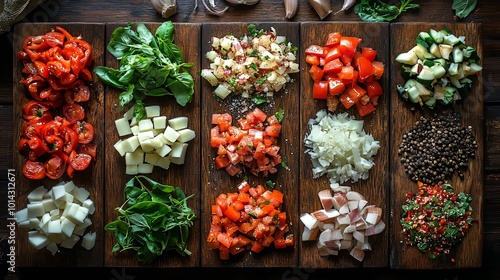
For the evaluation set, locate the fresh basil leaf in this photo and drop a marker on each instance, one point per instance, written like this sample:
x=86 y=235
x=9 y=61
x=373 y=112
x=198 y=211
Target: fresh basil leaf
x=158 y=92
x=126 y=96
x=144 y=33
x=139 y=110
x=463 y=7
x=165 y=31
x=182 y=87
x=109 y=76
x=172 y=52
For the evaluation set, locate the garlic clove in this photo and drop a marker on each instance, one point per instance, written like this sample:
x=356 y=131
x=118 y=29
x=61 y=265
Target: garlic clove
x=166 y=8
x=322 y=7
x=291 y=7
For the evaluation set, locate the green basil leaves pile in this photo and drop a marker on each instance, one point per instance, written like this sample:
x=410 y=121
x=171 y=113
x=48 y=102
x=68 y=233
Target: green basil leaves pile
x=463 y=8
x=154 y=218
x=150 y=65
x=379 y=11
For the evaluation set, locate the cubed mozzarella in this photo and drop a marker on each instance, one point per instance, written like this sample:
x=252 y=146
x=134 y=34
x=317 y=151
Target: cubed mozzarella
x=178 y=123
x=131 y=169
x=145 y=125
x=123 y=127
x=37 y=194
x=130 y=113
x=163 y=150
x=88 y=240
x=186 y=135
x=171 y=134
x=152 y=111
x=163 y=162
x=160 y=122
x=145 y=168
x=135 y=157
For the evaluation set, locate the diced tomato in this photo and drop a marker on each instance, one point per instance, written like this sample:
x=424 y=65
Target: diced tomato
x=365 y=68
x=312 y=59
x=333 y=39
x=34 y=170
x=378 y=69
x=316 y=73
x=366 y=109
x=320 y=89
x=346 y=100
x=368 y=53
x=333 y=53
x=374 y=89
x=314 y=50
x=333 y=66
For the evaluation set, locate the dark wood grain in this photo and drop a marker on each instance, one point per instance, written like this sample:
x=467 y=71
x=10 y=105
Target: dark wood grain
x=375 y=188
x=91 y=179
x=186 y=176
x=216 y=181
x=469 y=253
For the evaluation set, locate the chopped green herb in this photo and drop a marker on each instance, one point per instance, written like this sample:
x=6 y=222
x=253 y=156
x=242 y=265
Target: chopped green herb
x=280 y=114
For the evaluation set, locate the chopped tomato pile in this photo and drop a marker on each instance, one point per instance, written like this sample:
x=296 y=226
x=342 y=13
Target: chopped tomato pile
x=55 y=137
x=248 y=220
x=251 y=144
x=343 y=73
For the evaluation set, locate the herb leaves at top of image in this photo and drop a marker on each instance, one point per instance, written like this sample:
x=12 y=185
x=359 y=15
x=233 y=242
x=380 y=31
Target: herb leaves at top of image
x=380 y=11
x=150 y=65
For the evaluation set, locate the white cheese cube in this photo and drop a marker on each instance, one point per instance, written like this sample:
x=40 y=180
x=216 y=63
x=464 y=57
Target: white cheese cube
x=88 y=240
x=89 y=204
x=165 y=140
x=81 y=214
x=156 y=142
x=133 y=121
x=157 y=131
x=54 y=214
x=71 y=210
x=52 y=247
x=163 y=162
x=119 y=147
x=145 y=125
x=38 y=240
x=69 y=197
x=178 y=123
x=67 y=227
x=35 y=210
x=186 y=135
x=145 y=135
x=164 y=150
x=152 y=111
x=59 y=192
x=160 y=122
x=25 y=224
x=145 y=168
x=48 y=204
x=147 y=145
x=86 y=223
x=171 y=134
x=69 y=242
x=135 y=129
x=130 y=144
x=151 y=158
x=22 y=215
x=131 y=169
x=130 y=113
x=178 y=149
x=69 y=186
x=81 y=194
x=37 y=194
x=135 y=157
x=34 y=223
x=122 y=127
x=54 y=227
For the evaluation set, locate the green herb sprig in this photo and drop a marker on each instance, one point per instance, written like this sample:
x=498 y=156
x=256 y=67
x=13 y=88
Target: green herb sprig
x=154 y=218
x=150 y=65
x=379 y=11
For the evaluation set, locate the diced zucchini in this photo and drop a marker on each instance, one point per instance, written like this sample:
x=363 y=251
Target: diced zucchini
x=431 y=102
x=445 y=51
x=422 y=53
x=415 y=70
x=457 y=55
x=455 y=81
x=426 y=37
x=451 y=40
x=405 y=72
x=426 y=76
x=453 y=70
x=434 y=50
x=409 y=58
x=438 y=92
x=438 y=71
x=449 y=94
x=436 y=36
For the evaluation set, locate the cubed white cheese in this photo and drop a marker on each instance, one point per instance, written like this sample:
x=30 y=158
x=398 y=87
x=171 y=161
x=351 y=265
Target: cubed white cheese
x=157 y=131
x=133 y=121
x=24 y=224
x=131 y=144
x=59 y=192
x=69 y=186
x=165 y=140
x=163 y=151
x=152 y=111
x=88 y=240
x=147 y=145
x=160 y=122
x=69 y=197
x=81 y=194
x=131 y=169
x=145 y=168
x=163 y=162
x=34 y=223
x=119 y=147
x=70 y=242
x=145 y=135
x=178 y=123
x=81 y=214
x=135 y=129
x=54 y=227
x=89 y=204
x=151 y=158
x=123 y=127
x=35 y=210
x=22 y=215
x=67 y=227
x=135 y=157
x=145 y=125
x=55 y=214
x=52 y=247
x=178 y=149
x=130 y=113
x=38 y=240
x=186 y=135
x=86 y=223
x=156 y=142
x=37 y=194
x=171 y=134
x=48 y=204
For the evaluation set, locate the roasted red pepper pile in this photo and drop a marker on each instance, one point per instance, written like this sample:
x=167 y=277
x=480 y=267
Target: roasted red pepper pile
x=435 y=219
x=56 y=137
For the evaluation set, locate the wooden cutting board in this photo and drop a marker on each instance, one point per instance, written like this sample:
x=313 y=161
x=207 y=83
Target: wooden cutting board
x=91 y=179
x=469 y=253
x=186 y=176
x=216 y=181
x=376 y=188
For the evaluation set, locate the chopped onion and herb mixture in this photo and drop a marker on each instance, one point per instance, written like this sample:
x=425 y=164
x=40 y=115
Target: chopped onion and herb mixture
x=255 y=65
x=340 y=148
x=435 y=218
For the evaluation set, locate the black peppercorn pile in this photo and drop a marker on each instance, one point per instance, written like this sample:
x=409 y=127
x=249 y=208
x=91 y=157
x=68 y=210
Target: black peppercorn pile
x=433 y=150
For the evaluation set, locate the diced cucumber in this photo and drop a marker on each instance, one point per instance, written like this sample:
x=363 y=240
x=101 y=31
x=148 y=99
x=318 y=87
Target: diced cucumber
x=431 y=102
x=465 y=88
x=451 y=40
x=405 y=72
x=409 y=58
x=415 y=70
x=429 y=63
x=438 y=92
x=426 y=76
x=445 y=50
x=453 y=70
x=449 y=94
x=438 y=71
x=436 y=36
x=426 y=37
x=455 y=81
x=445 y=31
x=442 y=62
x=422 y=53
x=434 y=50
x=457 y=55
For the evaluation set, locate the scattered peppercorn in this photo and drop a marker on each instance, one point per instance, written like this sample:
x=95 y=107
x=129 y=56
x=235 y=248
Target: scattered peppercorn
x=435 y=219
x=433 y=150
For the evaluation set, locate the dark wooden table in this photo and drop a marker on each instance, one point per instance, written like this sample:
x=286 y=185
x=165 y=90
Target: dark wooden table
x=487 y=13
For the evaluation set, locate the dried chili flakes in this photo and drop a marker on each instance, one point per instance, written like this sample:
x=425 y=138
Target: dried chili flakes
x=435 y=219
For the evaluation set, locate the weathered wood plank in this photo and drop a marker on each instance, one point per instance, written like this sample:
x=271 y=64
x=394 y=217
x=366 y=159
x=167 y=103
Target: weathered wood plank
x=186 y=176
x=91 y=178
x=469 y=253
